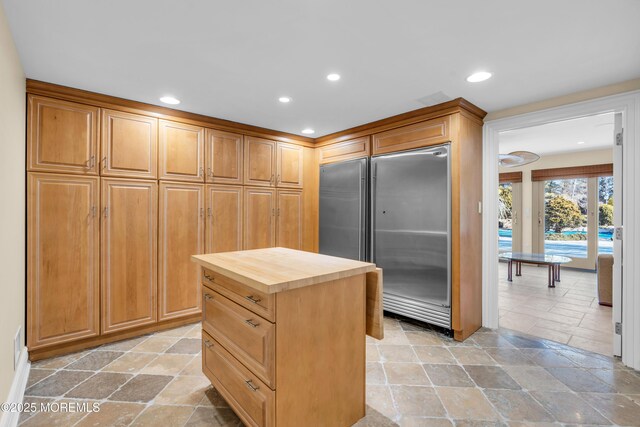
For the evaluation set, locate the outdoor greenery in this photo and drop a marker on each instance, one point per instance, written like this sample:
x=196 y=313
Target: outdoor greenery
x=505 y=201
x=561 y=236
x=605 y=214
x=562 y=213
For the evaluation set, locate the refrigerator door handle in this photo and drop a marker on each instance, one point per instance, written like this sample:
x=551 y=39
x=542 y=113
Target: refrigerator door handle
x=372 y=217
x=362 y=250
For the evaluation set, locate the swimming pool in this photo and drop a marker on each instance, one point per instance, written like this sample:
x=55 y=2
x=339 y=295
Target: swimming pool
x=571 y=248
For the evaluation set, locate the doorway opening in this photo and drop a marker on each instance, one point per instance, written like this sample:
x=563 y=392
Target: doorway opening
x=556 y=225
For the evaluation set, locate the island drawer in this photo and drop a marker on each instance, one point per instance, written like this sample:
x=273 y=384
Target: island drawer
x=252 y=400
x=256 y=301
x=249 y=337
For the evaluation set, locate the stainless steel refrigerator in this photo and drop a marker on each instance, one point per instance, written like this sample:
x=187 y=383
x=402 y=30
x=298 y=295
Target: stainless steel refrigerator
x=343 y=209
x=410 y=232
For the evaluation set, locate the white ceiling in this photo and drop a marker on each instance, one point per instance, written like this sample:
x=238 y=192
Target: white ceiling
x=596 y=133
x=233 y=59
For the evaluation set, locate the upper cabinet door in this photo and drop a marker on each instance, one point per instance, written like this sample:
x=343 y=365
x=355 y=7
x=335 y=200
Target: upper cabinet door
x=63 y=258
x=289 y=214
x=422 y=134
x=347 y=150
x=182 y=218
x=129 y=145
x=259 y=162
x=224 y=218
x=63 y=136
x=181 y=152
x=129 y=253
x=289 y=170
x=259 y=218
x=224 y=157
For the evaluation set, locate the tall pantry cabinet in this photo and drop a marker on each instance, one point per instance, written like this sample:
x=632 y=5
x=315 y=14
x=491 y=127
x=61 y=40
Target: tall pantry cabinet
x=119 y=198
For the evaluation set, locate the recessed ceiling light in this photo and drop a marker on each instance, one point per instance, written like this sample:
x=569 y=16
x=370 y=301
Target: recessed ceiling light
x=333 y=77
x=480 y=76
x=170 y=100
x=284 y=99
x=580 y=142
x=308 y=131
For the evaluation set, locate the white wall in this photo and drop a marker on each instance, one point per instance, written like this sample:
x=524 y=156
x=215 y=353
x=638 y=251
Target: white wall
x=12 y=205
x=599 y=92
x=578 y=158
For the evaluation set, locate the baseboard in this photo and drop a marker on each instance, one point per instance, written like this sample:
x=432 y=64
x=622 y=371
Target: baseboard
x=16 y=392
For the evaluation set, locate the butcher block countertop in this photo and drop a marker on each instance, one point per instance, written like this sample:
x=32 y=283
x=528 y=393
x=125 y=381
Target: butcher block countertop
x=275 y=270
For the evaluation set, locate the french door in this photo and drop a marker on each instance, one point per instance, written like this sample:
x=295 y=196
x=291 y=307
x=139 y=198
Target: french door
x=575 y=218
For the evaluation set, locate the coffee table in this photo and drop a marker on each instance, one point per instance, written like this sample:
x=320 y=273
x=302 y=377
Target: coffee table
x=553 y=261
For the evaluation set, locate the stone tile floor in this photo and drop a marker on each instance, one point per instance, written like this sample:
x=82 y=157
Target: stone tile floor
x=415 y=377
x=569 y=313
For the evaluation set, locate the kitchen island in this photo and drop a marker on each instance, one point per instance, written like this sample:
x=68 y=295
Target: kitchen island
x=284 y=334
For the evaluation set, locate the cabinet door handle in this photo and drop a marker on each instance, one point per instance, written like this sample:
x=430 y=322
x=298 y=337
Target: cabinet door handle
x=91 y=162
x=278 y=179
x=206 y=276
x=209 y=212
x=208 y=297
x=210 y=172
x=106 y=211
x=104 y=162
x=271 y=179
x=201 y=171
x=251 y=323
x=202 y=212
x=253 y=299
x=249 y=384
x=208 y=344
x=93 y=211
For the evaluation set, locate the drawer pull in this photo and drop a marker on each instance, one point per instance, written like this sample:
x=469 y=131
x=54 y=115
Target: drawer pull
x=206 y=276
x=253 y=299
x=208 y=297
x=249 y=384
x=250 y=323
x=208 y=344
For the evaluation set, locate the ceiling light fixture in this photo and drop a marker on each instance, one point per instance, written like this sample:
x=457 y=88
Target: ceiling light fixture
x=170 y=100
x=480 y=76
x=580 y=142
x=333 y=77
x=284 y=99
x=308 y=131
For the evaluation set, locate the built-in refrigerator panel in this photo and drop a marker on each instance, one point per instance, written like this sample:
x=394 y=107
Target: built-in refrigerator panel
x=410 y=238
x=343 y=209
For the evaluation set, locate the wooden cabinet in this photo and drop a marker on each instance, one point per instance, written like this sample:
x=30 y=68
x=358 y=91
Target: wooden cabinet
x=421 y=134
x=62 y=137
x=259 y=218
x=181 y=156
x=224 y=218
x=267 y=368
x=129 y=145
x=182 y=218
x=289 y=161
x=129 y=253
x=347 y=150
x=270 y=164
x=289 y=219
x=259 y=162
x=224 y=157
x=62 y=258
